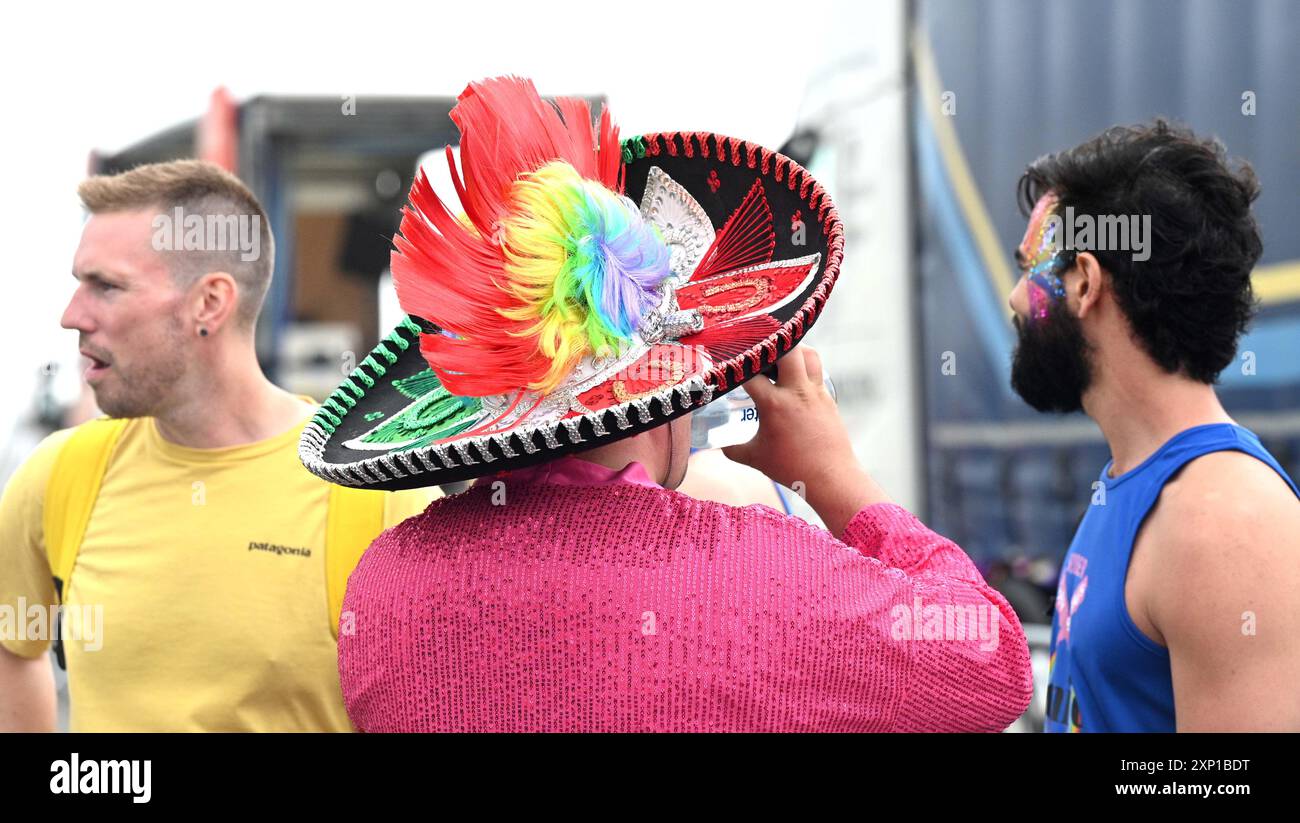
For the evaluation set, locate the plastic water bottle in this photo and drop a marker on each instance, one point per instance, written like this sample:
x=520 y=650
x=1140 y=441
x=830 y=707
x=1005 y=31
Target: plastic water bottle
x=732 y=419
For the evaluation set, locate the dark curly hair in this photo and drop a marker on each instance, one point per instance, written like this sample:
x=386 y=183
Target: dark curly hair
x=1190 y=301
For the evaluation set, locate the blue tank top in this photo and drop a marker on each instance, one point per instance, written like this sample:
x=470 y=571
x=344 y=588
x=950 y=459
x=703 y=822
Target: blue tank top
x=1105 y=674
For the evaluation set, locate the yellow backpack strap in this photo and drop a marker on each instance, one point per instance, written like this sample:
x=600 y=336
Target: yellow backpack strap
x=69 y=499
x=355 y=518
x=71 y=493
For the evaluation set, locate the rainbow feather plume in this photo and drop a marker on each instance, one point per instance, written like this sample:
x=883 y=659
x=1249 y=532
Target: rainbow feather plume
x=550 y=263
x=582 y=264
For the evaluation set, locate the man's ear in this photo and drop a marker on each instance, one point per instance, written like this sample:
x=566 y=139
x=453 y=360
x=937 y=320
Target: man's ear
x=215 y=297
x=1088 y=283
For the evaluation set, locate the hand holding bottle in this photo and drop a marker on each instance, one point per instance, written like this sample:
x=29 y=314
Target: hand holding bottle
x=802 y=440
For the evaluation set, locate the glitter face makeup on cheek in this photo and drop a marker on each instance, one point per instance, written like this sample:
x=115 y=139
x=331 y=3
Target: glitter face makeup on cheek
x=1040 y=255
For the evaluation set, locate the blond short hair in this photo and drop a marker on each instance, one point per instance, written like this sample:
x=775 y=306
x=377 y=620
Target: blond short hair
x=196 y=187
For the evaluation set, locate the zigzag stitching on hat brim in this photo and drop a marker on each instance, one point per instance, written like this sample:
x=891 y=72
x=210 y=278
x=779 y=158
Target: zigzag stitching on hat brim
x=721 y=377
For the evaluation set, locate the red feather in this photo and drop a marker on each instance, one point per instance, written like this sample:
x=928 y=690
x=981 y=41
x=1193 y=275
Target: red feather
x=508 y=130
x=447 y=272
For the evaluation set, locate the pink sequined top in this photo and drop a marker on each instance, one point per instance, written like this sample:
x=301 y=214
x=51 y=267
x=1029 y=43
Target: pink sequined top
x=569 y=597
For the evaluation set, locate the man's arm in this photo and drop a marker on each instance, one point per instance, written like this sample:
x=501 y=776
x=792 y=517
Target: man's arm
x=27 y=695
x=28 y=702
x=1226 y=538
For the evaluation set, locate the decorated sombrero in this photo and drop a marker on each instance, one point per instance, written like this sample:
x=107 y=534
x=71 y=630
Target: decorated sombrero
x=586 y=290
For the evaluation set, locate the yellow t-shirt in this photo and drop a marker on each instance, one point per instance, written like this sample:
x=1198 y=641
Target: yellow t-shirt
x=199 y=588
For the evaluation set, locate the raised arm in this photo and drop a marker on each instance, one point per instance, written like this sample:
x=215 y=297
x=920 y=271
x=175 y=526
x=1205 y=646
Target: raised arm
x=931 y=645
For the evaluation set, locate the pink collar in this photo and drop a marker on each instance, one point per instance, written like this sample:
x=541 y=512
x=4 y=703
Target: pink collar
x=574 y=471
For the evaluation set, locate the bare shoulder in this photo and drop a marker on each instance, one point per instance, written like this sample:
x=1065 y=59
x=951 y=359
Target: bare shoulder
x=1226 y=529
x=1225 y=496
x=1224 y=591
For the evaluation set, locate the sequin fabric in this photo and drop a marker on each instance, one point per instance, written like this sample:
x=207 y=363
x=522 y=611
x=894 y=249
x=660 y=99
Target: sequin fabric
x=569 y=597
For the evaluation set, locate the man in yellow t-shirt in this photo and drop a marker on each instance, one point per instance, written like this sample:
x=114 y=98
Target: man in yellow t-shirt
x=199 y=599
